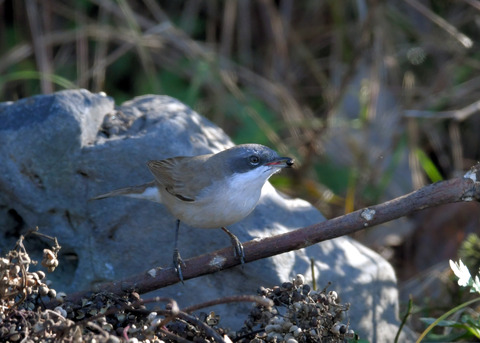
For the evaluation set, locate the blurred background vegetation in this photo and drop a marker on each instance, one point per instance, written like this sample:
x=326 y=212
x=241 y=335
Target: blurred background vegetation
x=373 y=98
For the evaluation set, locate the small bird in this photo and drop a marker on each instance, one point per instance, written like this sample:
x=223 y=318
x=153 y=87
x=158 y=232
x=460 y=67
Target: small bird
x=209 y=191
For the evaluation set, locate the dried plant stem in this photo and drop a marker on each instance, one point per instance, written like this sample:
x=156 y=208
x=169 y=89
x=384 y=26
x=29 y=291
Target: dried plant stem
x=225 y=300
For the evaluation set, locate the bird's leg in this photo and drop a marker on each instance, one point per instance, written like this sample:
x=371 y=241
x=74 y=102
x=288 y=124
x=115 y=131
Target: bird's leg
x=237 y=245
x=177 y=259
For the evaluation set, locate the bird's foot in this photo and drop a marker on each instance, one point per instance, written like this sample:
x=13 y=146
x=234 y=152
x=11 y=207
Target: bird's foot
x=178 y=263
x=237 y=245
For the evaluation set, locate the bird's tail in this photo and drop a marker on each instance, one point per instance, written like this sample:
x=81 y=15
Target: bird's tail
x=147 y=191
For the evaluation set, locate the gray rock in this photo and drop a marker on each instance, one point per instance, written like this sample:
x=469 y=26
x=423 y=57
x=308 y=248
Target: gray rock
x=59 y=150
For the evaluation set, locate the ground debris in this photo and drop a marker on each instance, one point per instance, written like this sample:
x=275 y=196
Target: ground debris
x=295 y=314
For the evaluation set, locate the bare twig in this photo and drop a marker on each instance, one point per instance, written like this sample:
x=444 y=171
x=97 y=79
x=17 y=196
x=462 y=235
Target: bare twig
x=41 y=53
x=459 y=115
x=199 y=324
x=225 y=300
x=466 y=188
x=442 y=23
x=173 y=337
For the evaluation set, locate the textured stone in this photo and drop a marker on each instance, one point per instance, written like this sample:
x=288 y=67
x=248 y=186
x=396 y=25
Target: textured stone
x=57 y=151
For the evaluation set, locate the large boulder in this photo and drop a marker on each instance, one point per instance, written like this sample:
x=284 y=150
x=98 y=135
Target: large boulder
x=57 y=151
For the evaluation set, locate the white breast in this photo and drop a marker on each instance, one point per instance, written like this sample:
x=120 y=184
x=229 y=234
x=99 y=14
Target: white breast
x=222 y=204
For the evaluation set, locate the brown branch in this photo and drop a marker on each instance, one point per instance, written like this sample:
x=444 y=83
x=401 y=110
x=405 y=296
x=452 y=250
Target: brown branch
x=466 y=188
x=231 y=299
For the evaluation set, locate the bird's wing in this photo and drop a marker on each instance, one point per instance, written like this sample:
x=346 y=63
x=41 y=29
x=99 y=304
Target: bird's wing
x=174 y=174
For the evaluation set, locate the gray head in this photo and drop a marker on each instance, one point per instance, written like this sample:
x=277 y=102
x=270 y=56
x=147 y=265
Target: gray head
x=247 y=157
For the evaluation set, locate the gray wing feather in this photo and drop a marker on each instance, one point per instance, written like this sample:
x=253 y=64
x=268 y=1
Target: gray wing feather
x=174 y=174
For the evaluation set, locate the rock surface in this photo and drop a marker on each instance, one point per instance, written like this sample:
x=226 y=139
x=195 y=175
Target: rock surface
x=57 y=151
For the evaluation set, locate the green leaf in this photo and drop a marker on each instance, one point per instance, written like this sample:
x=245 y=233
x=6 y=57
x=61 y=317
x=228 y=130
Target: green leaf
x=443 y=316
x=444 y=323
x=428 y=166
x=35 y=75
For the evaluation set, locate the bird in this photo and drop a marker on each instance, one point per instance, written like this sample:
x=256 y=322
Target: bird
x=209 y=191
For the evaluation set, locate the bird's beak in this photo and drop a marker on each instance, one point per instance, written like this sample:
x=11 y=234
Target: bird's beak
x=281 y=162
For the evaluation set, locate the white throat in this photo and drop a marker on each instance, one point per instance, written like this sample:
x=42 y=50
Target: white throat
x=253 y=179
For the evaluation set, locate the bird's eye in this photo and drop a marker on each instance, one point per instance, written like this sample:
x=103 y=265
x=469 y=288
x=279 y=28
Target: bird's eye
x=254 y=160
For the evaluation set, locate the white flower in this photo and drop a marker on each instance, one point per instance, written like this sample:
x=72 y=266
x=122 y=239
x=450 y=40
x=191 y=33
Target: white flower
x=461 y=271
x=476 y=285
